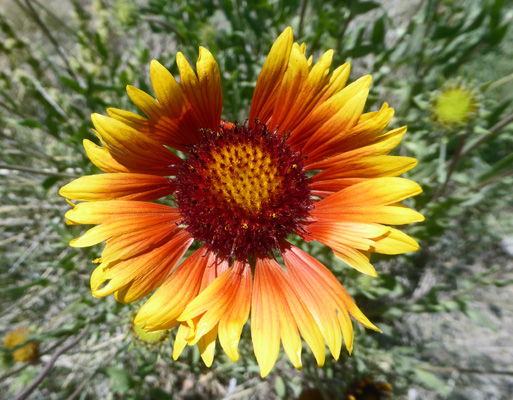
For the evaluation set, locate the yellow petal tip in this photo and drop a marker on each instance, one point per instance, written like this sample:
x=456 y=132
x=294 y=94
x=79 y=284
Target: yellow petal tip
x=263 y=374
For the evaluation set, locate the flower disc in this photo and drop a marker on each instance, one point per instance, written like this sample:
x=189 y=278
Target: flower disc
x=242 y=189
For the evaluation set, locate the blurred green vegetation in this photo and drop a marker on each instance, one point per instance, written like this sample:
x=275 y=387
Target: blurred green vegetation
x=62 y=60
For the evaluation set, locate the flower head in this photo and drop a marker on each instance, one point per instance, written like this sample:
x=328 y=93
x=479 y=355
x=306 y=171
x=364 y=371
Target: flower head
x=27 y=352
x=454 y=105
x=367 y=389
x=307 y=163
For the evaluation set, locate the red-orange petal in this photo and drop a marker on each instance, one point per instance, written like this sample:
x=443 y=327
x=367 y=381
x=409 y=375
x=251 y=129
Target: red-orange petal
x=225 y=302
x=278 y=311
x=164 y=307
x=97 y=212
x=133 y=149
x=272 y=72
x=306 y=272
x=118 y=187
x=136 y=277
x=204 y=90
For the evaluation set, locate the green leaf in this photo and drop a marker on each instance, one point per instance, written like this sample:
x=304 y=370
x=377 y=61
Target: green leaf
x=159 y=394
x=429 y=379
x=446 y=31
x=477 y=22
x=363 y=7
x=100 y=46
x=504 y=283
x=360 y=51
x=498 y=168
x=120 y=380
x=31 y=123
x=67 y=262
x=479 y=318
x=50 y=181
x=74 y=85
x=495 y=12
x=280 y=388
x=18 y=291
x=498 y=34
x=378 y=32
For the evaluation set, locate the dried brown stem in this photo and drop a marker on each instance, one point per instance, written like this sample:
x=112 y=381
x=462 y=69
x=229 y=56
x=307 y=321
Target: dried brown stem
x=48 y=367
x=301 y=18
x=35 y=16
x=36 y=171
x=436 y=368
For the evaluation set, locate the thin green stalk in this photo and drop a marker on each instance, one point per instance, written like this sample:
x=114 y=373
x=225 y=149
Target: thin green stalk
x=500 y=82
x=342 y=32
x=492 y=133
x=490 y=181
x=455 y=160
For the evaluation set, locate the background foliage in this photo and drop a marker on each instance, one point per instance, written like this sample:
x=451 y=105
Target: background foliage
x=445 y=310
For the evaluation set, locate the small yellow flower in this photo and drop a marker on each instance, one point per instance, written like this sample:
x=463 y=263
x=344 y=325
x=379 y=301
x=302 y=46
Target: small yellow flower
x=24 y=353
x=454 y=105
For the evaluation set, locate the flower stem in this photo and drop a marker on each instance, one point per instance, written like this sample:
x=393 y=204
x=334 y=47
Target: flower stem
x=494 y=130
x=455 y=160
x=48 y=367
x=36 y=171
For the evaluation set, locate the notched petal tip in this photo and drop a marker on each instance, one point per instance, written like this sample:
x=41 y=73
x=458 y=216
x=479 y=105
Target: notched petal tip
x=288 y=31
x=204 y=52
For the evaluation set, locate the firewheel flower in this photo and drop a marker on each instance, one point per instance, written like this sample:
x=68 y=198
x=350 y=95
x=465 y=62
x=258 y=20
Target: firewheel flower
x=307 y=162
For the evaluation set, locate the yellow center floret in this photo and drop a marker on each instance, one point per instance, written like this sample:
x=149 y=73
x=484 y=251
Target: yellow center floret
x=244 y=175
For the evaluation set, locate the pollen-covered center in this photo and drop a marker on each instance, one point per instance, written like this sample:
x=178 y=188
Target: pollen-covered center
x=245 y=175
x=241 y=190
